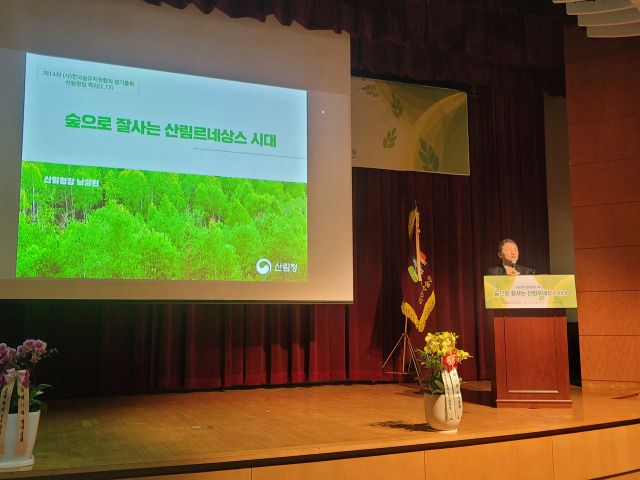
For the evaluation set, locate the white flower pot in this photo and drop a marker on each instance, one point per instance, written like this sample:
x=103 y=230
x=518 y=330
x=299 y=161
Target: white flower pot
x=435 y=409
x=11 y=461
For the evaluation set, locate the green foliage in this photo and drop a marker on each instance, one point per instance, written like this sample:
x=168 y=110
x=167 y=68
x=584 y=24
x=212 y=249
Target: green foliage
x=210 y=199
x=35 y=403
x=428 y=157
x=390 y=140
x=216 y=258
x=137 y=225
x=132 y=190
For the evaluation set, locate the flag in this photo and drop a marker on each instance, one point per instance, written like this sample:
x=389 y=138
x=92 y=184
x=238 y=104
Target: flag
x=418 y=294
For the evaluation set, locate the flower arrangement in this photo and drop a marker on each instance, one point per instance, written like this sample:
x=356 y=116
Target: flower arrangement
x=19 y=363
x=439 y=352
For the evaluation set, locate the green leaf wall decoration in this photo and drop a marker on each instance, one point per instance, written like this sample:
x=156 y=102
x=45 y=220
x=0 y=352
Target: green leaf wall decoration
x=430 y=161
x=390 y=140
x=370 y=89
x=396 y=106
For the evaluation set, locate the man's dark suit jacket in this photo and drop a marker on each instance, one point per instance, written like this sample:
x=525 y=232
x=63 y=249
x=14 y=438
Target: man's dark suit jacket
x=499 y=270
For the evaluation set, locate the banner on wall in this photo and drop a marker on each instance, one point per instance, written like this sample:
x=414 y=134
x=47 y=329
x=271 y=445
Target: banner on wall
x=399 y=126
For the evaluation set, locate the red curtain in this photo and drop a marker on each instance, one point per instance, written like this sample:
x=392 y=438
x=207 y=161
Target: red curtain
x=117 y=347
x=506 y=53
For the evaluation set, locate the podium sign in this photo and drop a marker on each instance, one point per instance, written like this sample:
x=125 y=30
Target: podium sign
x=530 y=291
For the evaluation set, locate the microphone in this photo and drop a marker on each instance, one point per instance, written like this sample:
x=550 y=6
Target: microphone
x=513 y=262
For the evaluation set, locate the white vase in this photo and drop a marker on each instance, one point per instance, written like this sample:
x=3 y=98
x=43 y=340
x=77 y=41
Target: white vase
x=435 y=409
x=11 y=461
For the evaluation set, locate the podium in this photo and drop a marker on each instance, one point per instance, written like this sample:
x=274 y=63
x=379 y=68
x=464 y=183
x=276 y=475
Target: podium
x=529 y=339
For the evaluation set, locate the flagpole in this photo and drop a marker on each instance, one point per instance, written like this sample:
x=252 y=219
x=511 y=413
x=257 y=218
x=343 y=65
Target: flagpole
x=417 y=220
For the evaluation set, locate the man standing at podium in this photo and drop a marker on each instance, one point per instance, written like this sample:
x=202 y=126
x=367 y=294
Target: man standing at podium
x=508 y=253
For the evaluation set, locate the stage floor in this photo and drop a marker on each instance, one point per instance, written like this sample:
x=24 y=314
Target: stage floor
x=182 y=433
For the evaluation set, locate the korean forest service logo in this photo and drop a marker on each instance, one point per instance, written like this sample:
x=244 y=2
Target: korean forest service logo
x=263 y=266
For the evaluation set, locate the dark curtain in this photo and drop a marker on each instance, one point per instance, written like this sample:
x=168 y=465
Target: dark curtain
x=118 y=347
x=499 y=43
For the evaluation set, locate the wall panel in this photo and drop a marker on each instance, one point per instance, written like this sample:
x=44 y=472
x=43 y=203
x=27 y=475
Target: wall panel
x=597 y=453
x=608 y=269
x=600 y=226
x=522 y=459
x=603 y=101
x=611 y=358
x=596 y=100
x=609 y=313
x=608 y=139
x=590 y=58
x=616 y=181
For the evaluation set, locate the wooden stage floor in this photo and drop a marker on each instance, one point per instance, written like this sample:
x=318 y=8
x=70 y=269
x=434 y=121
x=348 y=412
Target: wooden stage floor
x=257 y=433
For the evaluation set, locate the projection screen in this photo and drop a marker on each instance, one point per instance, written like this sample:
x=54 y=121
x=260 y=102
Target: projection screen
x=134 y=172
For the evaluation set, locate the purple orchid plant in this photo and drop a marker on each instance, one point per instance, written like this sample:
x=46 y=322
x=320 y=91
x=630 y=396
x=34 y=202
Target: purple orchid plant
x=19 y=363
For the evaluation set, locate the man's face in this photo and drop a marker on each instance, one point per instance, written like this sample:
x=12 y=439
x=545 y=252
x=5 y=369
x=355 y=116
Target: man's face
x=509 y=253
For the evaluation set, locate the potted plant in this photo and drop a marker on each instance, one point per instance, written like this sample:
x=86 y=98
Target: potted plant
x=20 y=404
x=442 y=398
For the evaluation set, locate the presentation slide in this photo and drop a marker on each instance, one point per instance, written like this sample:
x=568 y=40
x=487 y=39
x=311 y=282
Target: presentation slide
x=130 y=173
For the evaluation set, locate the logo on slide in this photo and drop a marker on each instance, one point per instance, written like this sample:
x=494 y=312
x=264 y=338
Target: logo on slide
x=263 y=266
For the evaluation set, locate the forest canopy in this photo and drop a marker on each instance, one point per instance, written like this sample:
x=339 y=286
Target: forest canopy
x=105 y=223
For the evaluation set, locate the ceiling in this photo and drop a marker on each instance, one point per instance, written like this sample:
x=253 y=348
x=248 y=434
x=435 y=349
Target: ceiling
x=606 y=18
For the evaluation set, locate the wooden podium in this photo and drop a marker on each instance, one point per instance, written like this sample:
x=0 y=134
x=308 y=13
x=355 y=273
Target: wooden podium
x=531 y=367
x=528 y=330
